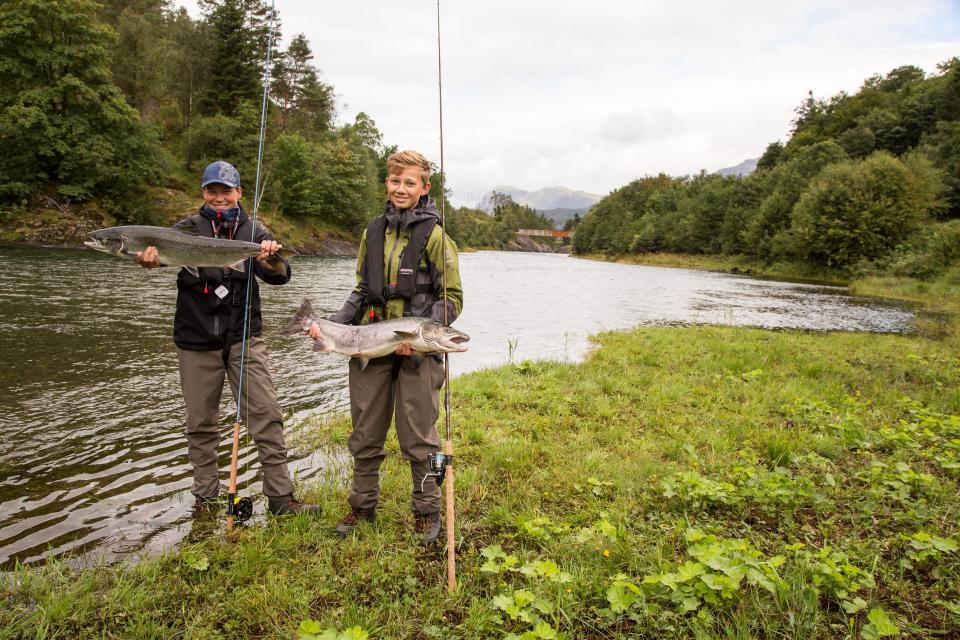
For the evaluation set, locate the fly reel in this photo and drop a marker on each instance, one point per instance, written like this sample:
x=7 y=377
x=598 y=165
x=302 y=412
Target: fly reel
x=240 y=508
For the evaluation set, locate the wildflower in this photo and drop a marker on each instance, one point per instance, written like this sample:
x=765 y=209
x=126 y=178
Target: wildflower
x=606 y=553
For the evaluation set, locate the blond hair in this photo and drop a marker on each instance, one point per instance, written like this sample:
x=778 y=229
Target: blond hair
x=409 y=158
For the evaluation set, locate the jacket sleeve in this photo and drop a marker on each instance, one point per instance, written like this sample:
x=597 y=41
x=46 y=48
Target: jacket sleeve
x=352 y=308
x=281 y=272
x=450 y=267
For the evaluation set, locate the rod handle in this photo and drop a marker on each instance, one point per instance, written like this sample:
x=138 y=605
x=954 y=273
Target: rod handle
x=234 y=456
x=451 y=533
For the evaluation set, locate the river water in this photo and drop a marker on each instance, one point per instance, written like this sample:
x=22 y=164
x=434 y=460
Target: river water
x=93 y=463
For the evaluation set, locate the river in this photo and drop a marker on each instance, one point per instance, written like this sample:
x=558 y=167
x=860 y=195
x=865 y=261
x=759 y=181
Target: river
x=93 y=462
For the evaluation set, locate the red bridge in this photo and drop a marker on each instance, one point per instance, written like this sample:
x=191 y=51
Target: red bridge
x=549 y=233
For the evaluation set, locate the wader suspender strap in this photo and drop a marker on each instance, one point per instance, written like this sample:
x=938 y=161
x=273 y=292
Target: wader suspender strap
x=372 y=269
x=236 y=303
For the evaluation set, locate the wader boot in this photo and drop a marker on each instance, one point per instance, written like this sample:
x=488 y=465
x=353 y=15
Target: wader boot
x=206 y=507
x=288 y=505
x=427 y=527
x=349 y=522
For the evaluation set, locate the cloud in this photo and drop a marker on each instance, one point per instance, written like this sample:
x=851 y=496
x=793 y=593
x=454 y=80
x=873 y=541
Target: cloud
x=592 y=95
x=632 y=127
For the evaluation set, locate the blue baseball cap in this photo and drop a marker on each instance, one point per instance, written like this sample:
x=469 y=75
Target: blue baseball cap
x=220 y=172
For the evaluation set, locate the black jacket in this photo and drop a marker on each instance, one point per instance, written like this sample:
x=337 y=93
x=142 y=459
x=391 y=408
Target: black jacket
x=202 y=319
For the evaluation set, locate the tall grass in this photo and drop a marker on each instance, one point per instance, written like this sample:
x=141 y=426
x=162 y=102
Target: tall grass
x=681 y=482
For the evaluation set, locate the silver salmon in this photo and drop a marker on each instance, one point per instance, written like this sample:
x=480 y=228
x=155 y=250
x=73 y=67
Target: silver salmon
x=177 y=247
x=379 y=338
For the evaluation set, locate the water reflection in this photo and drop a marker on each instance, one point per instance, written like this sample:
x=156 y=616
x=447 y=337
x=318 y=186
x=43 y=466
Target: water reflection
x=93 y=457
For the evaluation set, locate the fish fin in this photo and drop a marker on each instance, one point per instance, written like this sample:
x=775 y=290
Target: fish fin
x=417 y=357
x=286 y=253
x=320 y=345
x=406 y=335
x=363 y=363
x=187 y=227
x=239 y=266
x=301 y=319
x=192 y=271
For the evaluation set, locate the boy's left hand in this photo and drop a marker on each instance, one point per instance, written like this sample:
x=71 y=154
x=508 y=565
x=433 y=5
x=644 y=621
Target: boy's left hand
x=403 y=349
x=267 y=249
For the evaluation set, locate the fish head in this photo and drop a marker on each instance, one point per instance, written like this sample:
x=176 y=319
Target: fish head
x=442 y=339
x=106 y=240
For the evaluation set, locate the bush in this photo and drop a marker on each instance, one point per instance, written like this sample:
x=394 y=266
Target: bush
x=928 y=253
x=860 y=209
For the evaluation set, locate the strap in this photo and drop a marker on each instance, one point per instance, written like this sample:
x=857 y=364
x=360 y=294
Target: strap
x=234 y=312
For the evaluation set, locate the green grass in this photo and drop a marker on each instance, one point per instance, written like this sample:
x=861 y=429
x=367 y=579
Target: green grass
x=680 y=483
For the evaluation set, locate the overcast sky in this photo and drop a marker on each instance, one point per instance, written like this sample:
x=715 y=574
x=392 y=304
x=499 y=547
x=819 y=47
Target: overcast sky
x=590 y=95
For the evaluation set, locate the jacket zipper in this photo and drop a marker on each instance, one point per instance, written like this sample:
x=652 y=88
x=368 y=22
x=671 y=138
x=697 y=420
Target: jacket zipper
x=393 y=252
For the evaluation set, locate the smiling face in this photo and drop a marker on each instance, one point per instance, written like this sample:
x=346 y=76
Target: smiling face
x=405 y=186
x=221 y=197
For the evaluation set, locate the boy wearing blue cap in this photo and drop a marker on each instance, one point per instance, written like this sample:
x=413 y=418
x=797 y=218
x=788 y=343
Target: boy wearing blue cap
x=208 y=331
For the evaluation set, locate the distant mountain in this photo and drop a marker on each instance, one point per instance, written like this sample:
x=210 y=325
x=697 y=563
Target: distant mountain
x=745 y=168
x=543 y=200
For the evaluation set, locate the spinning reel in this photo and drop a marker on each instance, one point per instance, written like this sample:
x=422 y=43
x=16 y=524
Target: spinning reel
x=438 y=466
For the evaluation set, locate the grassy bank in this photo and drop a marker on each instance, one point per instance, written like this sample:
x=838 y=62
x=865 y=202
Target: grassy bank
x=938 y=297
x=738 y=264
x=681 y=482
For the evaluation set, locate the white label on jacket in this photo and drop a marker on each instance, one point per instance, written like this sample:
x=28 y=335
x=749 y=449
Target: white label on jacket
x=221 y=292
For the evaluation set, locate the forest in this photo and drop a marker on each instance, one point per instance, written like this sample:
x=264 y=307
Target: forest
x=113 y=106
x=866 y=183
x=106 y=104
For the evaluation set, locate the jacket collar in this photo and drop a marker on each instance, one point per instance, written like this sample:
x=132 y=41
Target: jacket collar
x=423 y=210
x=228 y=216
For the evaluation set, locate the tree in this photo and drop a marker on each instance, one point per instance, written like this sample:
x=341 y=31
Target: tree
x=860 y=209
x=305 y=104
x=239 y=30
x=784 y=186
x=297 y=189
x=332 y=181
x=942 y=146
x=811 y=116
x=141 y=56
x=61 y=118
x=772 y=155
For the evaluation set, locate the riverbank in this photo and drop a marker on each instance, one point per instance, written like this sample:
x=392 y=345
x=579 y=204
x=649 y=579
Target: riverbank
x=58 y=224
x=679 y=482
x=735 y=264
x=939 y=298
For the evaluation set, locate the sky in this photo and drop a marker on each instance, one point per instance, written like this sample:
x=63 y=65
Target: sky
x=593 y=94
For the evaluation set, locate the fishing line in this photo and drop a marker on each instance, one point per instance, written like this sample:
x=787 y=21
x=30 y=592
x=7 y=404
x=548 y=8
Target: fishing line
x=243 y=507
x=256 y=192
x=446 y=464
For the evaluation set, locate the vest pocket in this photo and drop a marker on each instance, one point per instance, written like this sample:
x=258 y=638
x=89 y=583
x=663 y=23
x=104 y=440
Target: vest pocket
x=421 y=302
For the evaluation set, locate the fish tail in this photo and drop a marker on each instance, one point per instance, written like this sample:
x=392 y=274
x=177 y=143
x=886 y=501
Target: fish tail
x=301 y=319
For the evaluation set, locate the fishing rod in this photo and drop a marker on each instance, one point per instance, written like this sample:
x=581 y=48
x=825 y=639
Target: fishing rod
x=447 y=463
x=242 y=508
